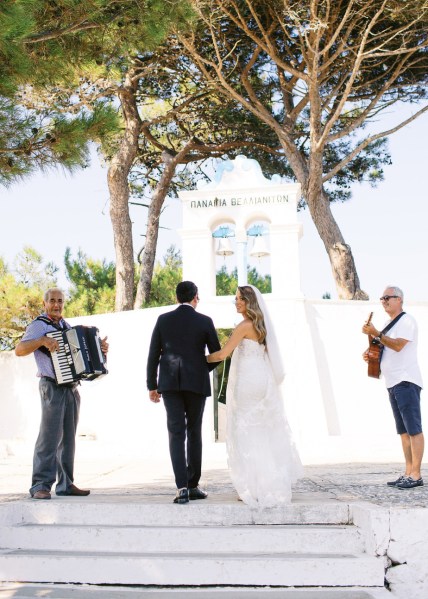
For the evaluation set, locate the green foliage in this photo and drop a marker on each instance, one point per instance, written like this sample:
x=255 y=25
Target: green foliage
x=223 y=335
x=263 y=283
x=32 y=272
x=92 y=285
x=166 y=277
x=316 y=73
x=3 y=267
x=366 y=166
x=100 y=301
x=35 y=139
x=92 y=288
x=19 y=305
x=21 y=294
x=48 y=42
x=227 y=283
x=221 y=373
x=189 y=108
x=16 y=23
x=51 y=52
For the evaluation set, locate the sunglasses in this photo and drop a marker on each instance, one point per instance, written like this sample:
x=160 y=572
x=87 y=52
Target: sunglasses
x=385 y=298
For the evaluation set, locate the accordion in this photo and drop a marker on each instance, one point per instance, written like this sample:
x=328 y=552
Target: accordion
x=79 y=356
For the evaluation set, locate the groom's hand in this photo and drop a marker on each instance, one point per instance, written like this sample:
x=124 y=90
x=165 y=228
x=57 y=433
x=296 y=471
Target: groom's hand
x=154 y=396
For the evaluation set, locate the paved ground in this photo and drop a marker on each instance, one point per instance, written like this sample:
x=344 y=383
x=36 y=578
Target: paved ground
x=84 y=592
x=108 y=472
x=148 y=478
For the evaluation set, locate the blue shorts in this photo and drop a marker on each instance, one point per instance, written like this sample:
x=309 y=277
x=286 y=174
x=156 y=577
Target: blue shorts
x=405 y=401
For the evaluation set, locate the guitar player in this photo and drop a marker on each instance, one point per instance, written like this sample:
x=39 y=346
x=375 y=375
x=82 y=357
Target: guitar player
x=399 y=365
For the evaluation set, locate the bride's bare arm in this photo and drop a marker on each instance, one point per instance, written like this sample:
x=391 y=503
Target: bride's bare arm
x=241 y=331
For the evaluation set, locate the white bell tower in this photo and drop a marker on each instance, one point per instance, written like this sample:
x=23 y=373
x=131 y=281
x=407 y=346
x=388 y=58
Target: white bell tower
x=231 y=208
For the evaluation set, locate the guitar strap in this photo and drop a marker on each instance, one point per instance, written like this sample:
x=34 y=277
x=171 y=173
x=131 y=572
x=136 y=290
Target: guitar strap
x=392 y=323
x=389 y=327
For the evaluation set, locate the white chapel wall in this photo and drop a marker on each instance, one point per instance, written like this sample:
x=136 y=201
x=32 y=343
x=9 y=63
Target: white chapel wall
x=337 y=413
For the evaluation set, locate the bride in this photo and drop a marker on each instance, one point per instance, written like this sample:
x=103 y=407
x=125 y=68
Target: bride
x=262 y=458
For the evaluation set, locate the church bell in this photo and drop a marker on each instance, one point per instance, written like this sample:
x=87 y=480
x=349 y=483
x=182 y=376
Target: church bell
x=224 y=248
x=259 y=248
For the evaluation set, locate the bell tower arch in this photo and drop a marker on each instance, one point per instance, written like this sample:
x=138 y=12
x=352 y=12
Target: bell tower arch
x=242 y=211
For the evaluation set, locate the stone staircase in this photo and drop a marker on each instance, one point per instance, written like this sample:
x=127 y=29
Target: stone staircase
x=123 y=540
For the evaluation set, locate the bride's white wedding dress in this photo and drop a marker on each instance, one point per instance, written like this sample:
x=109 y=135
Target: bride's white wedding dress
x=262 y=458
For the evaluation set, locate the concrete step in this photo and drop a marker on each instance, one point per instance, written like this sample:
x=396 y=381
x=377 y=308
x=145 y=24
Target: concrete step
x=191 y=569
x=69 y=591
x=106 y=509
x=214 y=539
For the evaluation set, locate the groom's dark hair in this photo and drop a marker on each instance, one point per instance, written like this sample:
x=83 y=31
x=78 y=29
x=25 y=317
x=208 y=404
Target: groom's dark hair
x=186 y=291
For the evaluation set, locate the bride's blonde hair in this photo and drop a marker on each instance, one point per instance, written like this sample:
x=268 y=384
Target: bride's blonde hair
x=253 y=311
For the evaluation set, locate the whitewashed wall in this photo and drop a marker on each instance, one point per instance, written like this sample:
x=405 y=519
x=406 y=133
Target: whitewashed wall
x=337 y=413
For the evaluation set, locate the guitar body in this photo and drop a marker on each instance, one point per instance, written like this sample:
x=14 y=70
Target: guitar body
x=374 y=355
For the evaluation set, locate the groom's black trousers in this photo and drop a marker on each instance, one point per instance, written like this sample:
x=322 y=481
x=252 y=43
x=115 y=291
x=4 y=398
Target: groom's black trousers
x=184 y=411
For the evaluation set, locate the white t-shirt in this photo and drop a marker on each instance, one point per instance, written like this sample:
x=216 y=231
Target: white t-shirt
x=398 y=366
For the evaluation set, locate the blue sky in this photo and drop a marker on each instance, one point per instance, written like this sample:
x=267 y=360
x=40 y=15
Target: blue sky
x=386 y=227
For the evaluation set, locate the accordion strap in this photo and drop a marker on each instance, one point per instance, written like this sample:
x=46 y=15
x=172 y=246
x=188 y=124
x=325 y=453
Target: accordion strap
x=54 y=325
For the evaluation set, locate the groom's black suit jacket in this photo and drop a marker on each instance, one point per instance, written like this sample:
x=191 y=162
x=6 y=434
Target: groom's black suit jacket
x=178 y=347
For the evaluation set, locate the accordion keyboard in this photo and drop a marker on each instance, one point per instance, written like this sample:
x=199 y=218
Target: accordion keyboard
x=62 y=360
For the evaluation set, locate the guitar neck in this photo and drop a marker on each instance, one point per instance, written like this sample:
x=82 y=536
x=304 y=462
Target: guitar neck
x=368 y=322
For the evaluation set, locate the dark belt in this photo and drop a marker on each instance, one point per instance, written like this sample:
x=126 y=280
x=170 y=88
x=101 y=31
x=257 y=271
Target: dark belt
x=67 y=385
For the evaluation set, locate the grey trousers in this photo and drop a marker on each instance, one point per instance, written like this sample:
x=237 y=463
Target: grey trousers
x=55 y=445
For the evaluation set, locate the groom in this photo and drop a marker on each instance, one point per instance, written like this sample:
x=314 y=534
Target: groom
x=178 y=347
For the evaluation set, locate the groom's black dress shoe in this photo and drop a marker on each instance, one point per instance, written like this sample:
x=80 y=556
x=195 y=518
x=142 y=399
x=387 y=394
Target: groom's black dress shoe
x=182 y=496
x=196 y=493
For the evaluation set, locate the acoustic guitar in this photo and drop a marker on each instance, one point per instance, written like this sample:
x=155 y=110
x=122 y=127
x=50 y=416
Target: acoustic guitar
x=374 y=354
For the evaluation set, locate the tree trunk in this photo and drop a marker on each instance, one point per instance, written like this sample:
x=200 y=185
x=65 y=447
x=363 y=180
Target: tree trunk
x=149 y=253
x=117 y=177
x=309 y=175
x=339 y=252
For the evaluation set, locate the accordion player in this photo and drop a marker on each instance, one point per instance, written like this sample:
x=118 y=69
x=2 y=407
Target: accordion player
x=79 y=356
